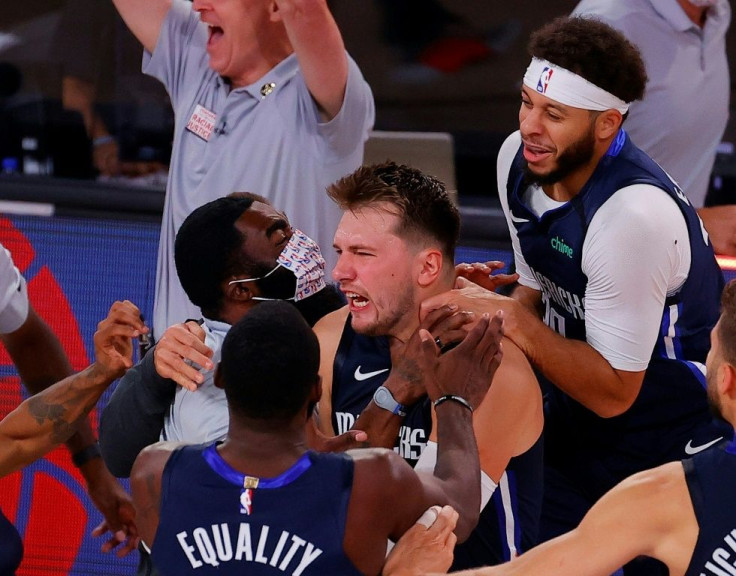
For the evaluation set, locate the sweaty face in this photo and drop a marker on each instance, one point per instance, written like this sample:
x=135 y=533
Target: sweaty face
x=557 y=140
x=374 y=271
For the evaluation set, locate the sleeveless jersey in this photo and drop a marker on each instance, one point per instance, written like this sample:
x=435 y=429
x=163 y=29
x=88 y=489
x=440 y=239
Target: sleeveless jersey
x=710 y=477
x=292 y=524
x=362 y=364
x=509 y=523
x=671 y=407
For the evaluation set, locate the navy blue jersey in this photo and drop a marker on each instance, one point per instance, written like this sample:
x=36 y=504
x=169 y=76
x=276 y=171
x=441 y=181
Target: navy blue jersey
x=362 y=364
x=711 y=477
x=671 y=408
x=11 y=547
x=215 y=520
x=509 y=523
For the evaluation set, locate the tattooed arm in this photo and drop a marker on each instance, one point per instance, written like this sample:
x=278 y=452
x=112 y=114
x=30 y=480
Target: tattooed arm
x=52 y=416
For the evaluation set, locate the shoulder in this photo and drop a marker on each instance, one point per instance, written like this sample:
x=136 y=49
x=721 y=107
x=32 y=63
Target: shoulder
x=508 y=149
x=379 y=467
x=330 y=327
x=632 y=209
x=153 y=459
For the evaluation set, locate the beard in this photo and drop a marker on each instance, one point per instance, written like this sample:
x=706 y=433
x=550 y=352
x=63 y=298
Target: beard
x=578 y=154
x=714 y=403
x=391 y=316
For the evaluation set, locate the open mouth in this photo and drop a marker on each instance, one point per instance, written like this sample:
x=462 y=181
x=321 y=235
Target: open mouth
x=215 y=33
x=356 y=300
x=534 y=153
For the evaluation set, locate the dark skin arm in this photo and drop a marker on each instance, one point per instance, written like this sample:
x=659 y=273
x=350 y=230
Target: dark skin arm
x=51 y=417
x=34 y=340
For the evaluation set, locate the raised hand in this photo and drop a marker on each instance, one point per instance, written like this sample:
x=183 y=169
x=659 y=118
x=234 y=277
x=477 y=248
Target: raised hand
x=180 y=353
x=482 y=273
x=467 y=369
x=114 y=338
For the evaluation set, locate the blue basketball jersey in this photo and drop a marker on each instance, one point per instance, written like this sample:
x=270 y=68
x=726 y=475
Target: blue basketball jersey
x=671 y=408
x=362 y=364
x=216 y=520
x=711 y=477
x=509 y=523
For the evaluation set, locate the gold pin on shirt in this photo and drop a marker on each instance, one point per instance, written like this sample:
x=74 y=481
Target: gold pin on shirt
x=267 y=88
x=250 y=482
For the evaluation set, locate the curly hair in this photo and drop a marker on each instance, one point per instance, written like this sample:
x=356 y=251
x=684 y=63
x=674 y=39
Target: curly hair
x=594 y=50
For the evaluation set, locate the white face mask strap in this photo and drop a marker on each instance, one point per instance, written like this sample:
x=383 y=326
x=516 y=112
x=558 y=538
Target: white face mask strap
x=568 y=88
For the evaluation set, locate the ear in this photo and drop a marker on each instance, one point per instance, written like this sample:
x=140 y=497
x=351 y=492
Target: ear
x=316 y=392
x=274 y=12
x=430 y=263
x=727 y=380
x=240 y=292
x=218 y=380
x=607 y=124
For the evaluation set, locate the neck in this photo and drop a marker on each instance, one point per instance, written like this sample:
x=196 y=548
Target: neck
x=263 y=64
x=263 y=452
x=697 y=14
x=442 y=284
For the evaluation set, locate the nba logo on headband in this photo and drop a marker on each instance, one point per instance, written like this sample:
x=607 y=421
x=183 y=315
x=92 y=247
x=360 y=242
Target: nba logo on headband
x=544 y=79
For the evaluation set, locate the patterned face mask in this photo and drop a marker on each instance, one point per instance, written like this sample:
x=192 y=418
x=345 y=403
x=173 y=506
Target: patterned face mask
x=302 y=258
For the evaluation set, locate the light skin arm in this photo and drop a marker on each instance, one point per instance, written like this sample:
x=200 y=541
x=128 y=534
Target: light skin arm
x=509 y=420
x=719 y=222
x=52 y=416
x=328 y=331
x=647 y=514
x=319 y=49
x=144 y=18
x=590 y=379
x=34 y=340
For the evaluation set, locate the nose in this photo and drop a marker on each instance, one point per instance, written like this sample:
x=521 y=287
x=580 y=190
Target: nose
x=529 y=122
x=199 y=5
x=343 y=270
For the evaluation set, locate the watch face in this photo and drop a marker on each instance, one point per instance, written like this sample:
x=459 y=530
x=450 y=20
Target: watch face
x=382 y=396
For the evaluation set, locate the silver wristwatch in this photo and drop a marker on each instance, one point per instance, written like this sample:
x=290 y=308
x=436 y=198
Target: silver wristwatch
x=384 y=399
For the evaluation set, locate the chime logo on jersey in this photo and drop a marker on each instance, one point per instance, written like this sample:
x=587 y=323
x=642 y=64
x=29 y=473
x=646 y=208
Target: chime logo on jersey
x=246 y=501
x=544 y=79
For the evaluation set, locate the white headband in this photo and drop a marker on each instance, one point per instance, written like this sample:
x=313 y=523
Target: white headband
x=568 y=88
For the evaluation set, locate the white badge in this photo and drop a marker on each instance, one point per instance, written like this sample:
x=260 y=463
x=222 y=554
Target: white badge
x=202 y=122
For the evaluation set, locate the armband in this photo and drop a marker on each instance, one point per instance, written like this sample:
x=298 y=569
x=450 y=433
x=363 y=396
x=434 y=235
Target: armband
x=91 y=452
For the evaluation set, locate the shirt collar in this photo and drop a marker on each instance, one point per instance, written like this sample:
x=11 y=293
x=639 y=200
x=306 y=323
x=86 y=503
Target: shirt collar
x=675 y=16
x=273 y=80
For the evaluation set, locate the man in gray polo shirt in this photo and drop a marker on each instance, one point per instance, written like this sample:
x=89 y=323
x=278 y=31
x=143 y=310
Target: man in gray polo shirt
x=265 y=98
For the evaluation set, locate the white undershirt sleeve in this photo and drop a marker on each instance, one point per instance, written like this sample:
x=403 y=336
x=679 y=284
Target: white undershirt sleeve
x=13 y=295
x=505 y=157
x=636 y=252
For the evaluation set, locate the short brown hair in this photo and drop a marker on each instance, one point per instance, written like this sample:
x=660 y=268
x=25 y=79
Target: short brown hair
x=422 y=201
